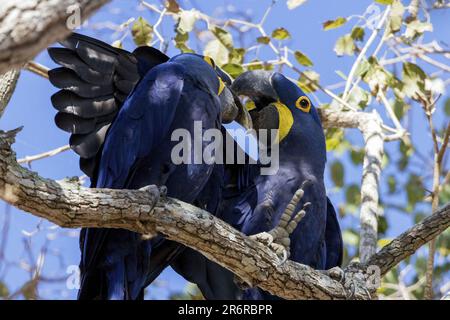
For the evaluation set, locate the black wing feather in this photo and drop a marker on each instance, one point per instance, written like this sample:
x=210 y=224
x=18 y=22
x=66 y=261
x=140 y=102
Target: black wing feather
x=95 y=80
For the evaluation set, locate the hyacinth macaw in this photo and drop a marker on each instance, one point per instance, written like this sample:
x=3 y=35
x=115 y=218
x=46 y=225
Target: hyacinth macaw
x=121 y=109
x=263 y=205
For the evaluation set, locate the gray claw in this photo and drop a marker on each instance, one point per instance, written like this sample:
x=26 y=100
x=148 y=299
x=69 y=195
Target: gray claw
x=337 y=274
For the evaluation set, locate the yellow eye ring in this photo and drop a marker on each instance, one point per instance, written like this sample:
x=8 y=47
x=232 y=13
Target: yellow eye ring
x=303 y=103
x=210 y=61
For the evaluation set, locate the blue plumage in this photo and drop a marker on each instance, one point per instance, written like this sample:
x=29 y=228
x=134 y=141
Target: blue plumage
x=317 y=240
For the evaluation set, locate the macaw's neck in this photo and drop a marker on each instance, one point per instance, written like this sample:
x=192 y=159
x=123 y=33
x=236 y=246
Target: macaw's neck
x=299 y=157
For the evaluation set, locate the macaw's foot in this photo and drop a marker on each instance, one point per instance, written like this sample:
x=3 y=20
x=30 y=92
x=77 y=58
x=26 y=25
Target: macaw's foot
x=348 y=282
x=241 y=283
x=336 y=273
x=278 y=238
x=155 y=193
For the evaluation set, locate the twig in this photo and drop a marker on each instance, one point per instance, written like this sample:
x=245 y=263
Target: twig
x=47 y=154
x=363 y=52
x=37 y=68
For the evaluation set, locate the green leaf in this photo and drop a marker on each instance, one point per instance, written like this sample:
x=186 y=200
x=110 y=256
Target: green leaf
x=447 y=107
x=359 y=97
x=406 y=149
x=236 y=55
x=345 y=45
x=385 y=2
x=280 y=34
x=383 y=242
x=396 y=16
x=142 y=32
x=332 y=24
x=181 y=42
x=357 y=156
x=233 y=69
x=303 y=59
x=217 y=51
x=337 y=173
x=376 y=76
x=117 y=44
x=357 y=34
x=353 y=195
x=444 y=194
x=263 y=40
x=292 y=4
x=416 y=28
x=186 y=20
x=414 y=190
x=414 y=81
x=382 y=226
x=334 y=138
x=392 y=184
x=362 y=68
x=309 y=81
x=255 y=64
x=400 y=108
x=223 y=36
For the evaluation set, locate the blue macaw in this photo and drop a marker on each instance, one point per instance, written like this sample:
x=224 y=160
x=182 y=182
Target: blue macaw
x=262 y=204
x=121 y=109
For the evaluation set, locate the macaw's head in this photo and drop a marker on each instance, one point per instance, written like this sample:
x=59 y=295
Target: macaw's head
x=275 y=102
x=216 y=80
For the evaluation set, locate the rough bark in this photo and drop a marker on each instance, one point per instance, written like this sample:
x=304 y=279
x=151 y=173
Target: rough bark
x=8 y=82
x=69 y=205
x=29 y=26
x=409 y=241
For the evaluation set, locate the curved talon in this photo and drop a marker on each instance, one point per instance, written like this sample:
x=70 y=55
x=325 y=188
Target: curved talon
x=156 y=191
x=280 y=250
x=353 y=290
x=337 y=274
x=162 y=191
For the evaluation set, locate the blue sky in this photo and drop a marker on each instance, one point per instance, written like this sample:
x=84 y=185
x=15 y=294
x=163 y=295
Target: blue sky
x=30 y=107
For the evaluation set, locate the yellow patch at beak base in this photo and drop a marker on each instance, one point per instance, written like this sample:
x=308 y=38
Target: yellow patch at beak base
x=285 y=120
x=221 y=86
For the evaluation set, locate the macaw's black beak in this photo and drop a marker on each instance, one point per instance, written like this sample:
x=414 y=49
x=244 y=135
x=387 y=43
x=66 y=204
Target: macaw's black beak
x=232 y=109
x=257 y=86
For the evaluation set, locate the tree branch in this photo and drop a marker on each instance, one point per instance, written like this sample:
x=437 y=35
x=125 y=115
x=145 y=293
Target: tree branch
x=69 y=205
x=409 y=241
x=47 y=154
x=370 y=125
x=8 y=82
x=29 y=26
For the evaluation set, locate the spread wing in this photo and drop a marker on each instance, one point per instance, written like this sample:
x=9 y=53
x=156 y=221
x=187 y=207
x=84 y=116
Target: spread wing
x=95 y=79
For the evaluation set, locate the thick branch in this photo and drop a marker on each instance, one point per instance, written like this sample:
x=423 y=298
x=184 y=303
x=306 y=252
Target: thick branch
x=370 y=125
x=29 y=26
x=70 y=205
x=8 y=82
x=411 y=240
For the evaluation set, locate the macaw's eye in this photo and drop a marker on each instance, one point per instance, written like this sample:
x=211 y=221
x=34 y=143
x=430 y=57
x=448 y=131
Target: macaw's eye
x=303 y=103
x=210 y=61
